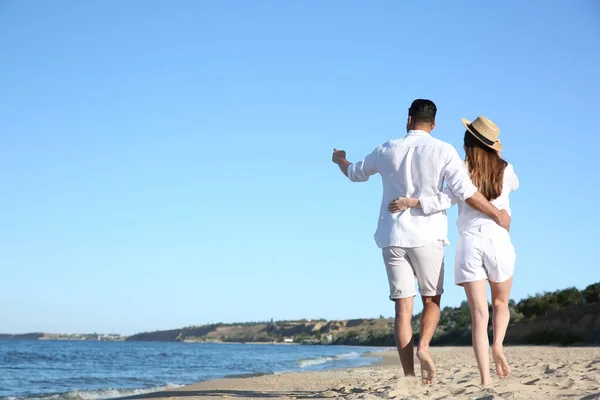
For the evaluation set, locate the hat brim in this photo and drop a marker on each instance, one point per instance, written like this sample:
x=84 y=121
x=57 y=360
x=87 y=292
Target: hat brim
x=496 y=146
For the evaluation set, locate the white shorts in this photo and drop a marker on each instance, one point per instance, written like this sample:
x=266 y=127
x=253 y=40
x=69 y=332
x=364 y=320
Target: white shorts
x=426 y=263
x=484 y=252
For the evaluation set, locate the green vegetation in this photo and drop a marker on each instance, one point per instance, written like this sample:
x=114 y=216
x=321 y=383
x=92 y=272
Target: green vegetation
x=563 y=316
x=541 y=304
x=550 y=317
x=591 y=294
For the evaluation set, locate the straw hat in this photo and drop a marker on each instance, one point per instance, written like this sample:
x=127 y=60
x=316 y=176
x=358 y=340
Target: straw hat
x=485 y=131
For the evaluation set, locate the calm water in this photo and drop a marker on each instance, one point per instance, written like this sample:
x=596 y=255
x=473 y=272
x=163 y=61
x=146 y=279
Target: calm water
x=97 y=370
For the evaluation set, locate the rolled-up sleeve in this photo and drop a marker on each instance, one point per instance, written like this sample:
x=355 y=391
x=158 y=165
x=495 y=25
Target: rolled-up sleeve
x=457 y=177
x=438 y=202
x=361 y=171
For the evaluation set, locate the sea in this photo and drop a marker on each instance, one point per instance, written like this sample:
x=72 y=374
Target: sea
x=39 y=369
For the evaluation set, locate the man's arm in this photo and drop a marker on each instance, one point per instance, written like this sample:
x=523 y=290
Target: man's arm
x=446 y=199
x=339 y=157
x=481 y=204
x=359 y=171
x=457 y=179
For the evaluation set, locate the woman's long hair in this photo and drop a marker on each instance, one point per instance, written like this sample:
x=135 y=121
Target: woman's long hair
x=485 y=166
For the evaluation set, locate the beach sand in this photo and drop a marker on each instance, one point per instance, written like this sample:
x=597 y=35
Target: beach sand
x=537 y=373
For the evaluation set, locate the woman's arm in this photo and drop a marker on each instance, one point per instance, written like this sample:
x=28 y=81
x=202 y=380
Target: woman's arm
x=510 y=178
x=430 y=204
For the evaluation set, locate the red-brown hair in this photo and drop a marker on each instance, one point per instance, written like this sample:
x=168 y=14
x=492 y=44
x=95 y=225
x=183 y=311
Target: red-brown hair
x=485 y=166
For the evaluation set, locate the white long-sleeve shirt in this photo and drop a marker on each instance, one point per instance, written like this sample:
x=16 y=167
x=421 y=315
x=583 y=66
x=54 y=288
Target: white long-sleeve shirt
x=468 y=217
x=414 y=166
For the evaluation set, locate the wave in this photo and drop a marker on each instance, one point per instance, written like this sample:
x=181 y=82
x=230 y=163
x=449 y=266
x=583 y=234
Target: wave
x=322 y=360
x=13 y=357
x=249 y=375
x=97 y=394
x=379 y=350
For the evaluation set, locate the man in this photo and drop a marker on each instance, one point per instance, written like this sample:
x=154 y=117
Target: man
x=413 y=243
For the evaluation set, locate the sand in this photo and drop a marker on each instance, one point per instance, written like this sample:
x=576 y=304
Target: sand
x=537 y=373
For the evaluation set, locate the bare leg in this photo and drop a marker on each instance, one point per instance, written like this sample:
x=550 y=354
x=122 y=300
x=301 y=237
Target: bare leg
x=500 y=296
x=479 y=319
x=429 y=322
x=403 y=334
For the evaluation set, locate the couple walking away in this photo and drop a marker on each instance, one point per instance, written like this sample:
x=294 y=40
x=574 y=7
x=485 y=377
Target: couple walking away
x=413 y=227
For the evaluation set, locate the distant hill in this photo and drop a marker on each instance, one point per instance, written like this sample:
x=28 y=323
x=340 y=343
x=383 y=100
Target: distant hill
x=62 y=336
x=577 y=324
x=276 y=331
x=567 y=316
x=24 y=336
x=562 y=317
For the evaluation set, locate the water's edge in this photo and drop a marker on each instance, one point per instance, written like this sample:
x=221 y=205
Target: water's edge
x=372 y=356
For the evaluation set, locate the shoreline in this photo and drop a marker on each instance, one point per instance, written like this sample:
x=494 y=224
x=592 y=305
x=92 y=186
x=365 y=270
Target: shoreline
x=538 y=372
x=370 y=354
x=386 y=357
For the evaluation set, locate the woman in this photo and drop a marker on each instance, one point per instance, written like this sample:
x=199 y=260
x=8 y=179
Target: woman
x=484 y=250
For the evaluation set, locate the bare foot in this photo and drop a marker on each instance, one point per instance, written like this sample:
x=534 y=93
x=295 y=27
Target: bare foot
x=427 y=366
x=487 y=385
x=502 y=367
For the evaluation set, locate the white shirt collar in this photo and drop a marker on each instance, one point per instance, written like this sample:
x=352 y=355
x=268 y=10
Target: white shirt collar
x=417 y=133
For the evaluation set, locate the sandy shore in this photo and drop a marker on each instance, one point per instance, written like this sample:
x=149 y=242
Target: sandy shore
x=537 y=373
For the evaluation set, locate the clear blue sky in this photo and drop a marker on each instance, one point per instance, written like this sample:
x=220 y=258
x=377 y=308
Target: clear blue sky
x=167 y=163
